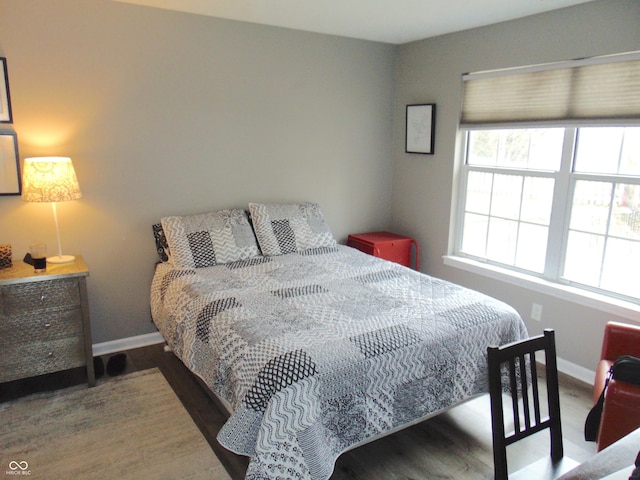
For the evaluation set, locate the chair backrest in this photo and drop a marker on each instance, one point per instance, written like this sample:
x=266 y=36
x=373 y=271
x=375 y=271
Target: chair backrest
x=620 y=339
x=516 y=364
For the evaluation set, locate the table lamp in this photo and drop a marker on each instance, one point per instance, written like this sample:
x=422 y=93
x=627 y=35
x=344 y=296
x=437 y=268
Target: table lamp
x=50 y=179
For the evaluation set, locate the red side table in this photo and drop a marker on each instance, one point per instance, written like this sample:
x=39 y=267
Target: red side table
x=387 y=245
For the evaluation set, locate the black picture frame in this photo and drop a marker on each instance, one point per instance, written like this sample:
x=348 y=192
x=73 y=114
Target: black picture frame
x=421 y=128
x=5 y=97
x=10 y=178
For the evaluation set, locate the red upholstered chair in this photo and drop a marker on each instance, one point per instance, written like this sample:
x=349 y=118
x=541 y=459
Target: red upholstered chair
x=621 y=413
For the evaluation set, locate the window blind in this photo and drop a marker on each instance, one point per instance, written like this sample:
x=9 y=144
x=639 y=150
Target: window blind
x=581 y=91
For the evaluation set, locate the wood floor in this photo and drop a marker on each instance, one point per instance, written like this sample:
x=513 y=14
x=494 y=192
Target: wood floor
x=453 y=445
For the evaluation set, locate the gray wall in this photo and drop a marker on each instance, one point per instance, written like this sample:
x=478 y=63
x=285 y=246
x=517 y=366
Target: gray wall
x=424 y=187
x=165 y=113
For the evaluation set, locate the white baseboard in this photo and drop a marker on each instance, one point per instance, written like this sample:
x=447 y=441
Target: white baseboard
x=569 y=368
x=128 y=343
x=576 y=371
x=573 y=370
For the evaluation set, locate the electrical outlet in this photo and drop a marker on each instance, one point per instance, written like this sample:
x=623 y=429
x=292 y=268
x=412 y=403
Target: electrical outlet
x=536 y=312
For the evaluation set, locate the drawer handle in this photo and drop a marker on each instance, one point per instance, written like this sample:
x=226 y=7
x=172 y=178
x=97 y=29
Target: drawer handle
x=47 y=325
x=50 y=355
x=43 y=297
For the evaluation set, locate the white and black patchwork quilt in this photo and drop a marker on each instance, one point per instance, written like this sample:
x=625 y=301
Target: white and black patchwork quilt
x=321 y=350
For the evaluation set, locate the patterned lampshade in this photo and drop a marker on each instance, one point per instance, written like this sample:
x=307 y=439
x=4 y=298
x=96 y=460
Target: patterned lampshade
x=49 y=179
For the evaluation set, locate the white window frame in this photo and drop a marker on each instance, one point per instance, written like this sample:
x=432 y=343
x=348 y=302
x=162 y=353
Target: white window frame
x=550 y=282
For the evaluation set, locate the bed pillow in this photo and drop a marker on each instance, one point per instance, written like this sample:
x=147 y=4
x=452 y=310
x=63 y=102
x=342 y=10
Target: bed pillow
x=290 y=228
x=162 y=247
x=209 y=239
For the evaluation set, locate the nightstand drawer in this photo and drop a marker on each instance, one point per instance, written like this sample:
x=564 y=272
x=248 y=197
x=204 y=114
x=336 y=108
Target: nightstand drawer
x=50 y=324
x=20 y=298
x=22 y=360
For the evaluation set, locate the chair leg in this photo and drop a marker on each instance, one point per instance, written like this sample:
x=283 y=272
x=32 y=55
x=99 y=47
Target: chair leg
x=497 y=420
x=557 y=450
x=500 y=463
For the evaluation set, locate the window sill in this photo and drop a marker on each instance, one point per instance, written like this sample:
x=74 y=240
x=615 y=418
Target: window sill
x=589 y=299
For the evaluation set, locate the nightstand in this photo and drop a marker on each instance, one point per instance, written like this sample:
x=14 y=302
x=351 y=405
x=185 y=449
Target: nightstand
x=387 y=245
x=44 y=320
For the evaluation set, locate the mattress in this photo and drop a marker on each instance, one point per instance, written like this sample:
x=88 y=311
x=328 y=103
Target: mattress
x=321 y=350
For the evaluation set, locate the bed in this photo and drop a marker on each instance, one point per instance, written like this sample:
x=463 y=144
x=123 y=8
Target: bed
x=314 y=347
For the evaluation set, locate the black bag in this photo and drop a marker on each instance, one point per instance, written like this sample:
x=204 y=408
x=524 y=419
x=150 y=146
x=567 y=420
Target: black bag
x=625 y=369
x=635 y=475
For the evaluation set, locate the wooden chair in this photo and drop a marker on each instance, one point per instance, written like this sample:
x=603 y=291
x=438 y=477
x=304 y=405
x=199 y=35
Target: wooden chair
x=516 y=363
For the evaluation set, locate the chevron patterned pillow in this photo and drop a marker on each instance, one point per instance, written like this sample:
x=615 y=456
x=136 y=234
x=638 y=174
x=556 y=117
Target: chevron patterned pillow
x=287 y=228
x=209 y=239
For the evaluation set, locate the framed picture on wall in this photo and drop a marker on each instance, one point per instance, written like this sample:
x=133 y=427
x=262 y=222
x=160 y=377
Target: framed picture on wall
x=5 y=98
x=421 y=128
x=10 y=183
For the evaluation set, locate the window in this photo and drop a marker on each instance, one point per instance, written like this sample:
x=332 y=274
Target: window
x=603 y=238
x=561 y=203
x=550 y=185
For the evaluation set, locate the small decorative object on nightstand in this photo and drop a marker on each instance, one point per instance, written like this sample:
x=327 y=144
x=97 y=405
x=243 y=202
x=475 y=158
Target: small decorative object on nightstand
x=5 y=256
x=44 y=320
x=387 y=245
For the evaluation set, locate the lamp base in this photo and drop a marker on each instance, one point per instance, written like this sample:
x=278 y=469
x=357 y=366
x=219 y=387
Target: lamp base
x=61 y=259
